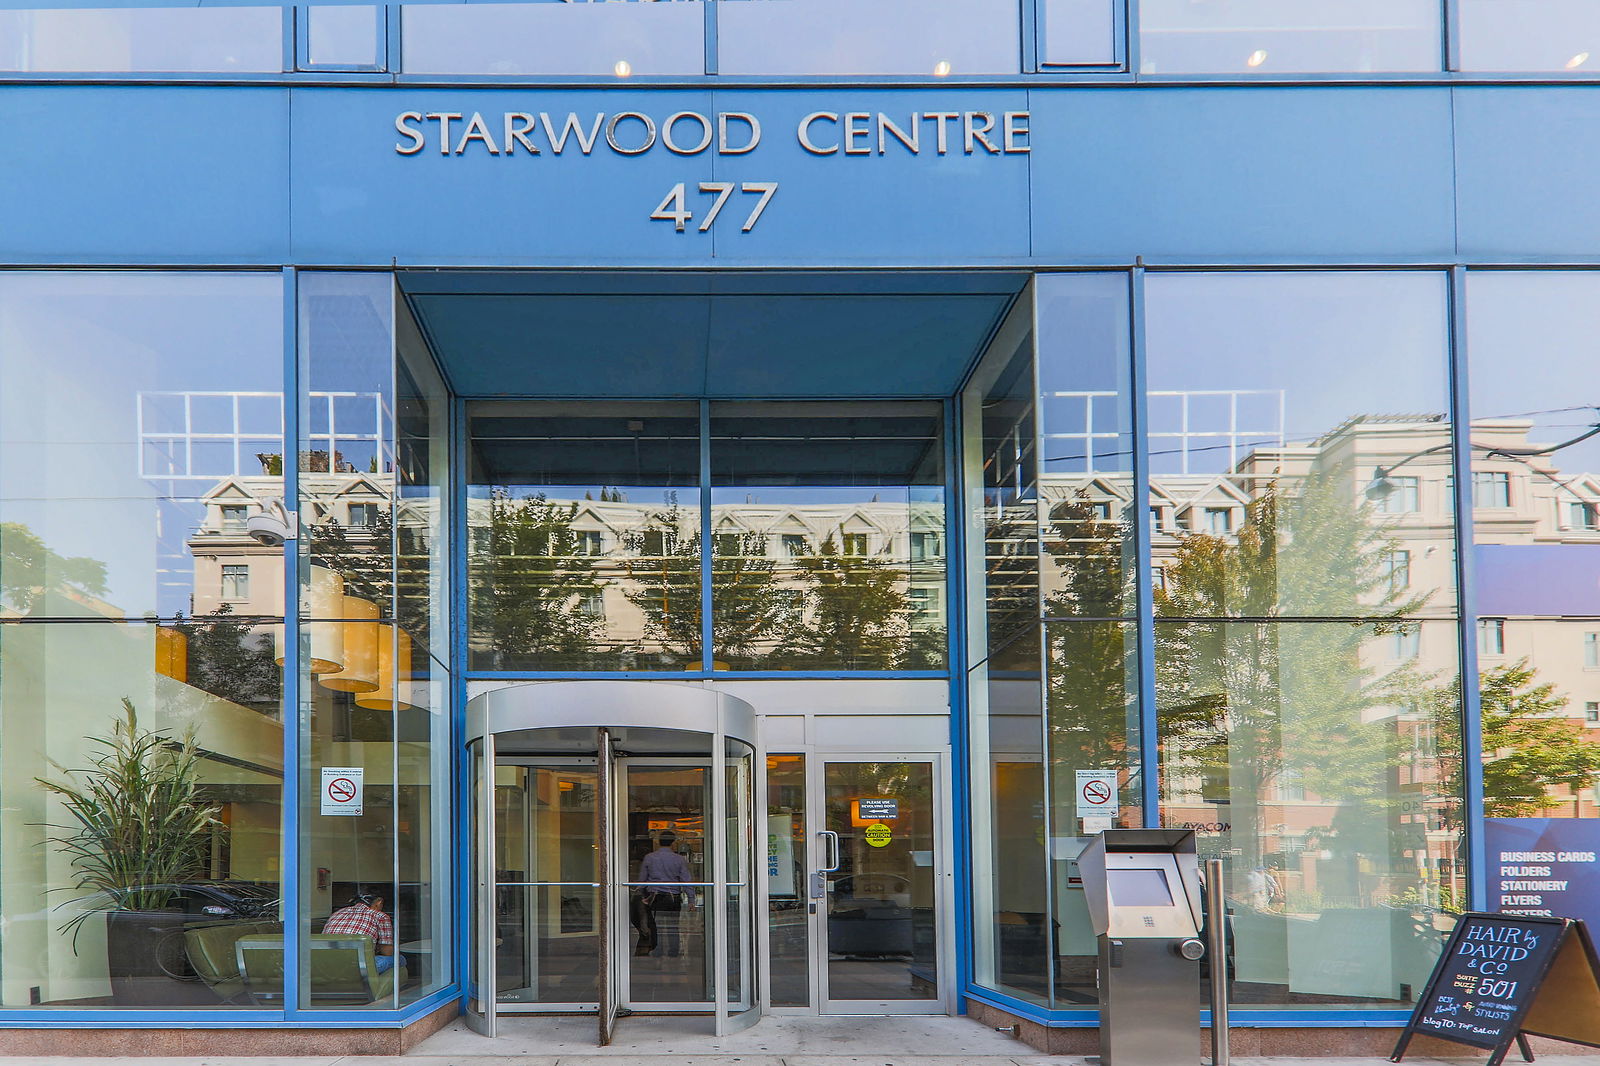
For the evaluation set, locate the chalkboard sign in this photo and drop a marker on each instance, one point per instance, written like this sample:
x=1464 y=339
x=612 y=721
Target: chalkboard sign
x=1504 y=975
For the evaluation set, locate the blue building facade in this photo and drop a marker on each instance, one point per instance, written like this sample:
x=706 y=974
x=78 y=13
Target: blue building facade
x=830 y=445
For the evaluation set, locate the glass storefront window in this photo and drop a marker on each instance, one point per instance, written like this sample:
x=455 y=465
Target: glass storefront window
x=374 y=683
x=1321 y=762
x=553 y=38
x=1536 y=564
x=127 y=451
x=127 y=447
x=1270 y=37
x=584 y=526
x=814 y=512
x=1300 y=447
x=1086 y=502
x=788 y=890
x=1530 y=35
x=885 y=37
x=155 y=40
x=1049 y=456
x=1299 y=435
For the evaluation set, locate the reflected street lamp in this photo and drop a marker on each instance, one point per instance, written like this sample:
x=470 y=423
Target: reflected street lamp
x=1382 y=484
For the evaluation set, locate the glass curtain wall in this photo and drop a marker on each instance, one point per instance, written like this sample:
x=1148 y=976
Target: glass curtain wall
x=827 y=534
x=1310 y=37
x=1049 y=461
x=1302 y=598
x=1536 y=563
x=1305 y=617
x=101 y=37
x=586 y=522
x=373 y=650
x=138 y=680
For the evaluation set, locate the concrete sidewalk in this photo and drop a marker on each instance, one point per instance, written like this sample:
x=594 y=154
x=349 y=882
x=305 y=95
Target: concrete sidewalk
x=776 y=1041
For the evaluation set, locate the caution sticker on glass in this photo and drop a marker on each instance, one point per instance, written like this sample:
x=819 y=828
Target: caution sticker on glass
x=878 y=835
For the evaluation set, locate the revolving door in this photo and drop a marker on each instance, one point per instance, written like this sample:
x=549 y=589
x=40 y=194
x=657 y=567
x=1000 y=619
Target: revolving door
x=613 y=864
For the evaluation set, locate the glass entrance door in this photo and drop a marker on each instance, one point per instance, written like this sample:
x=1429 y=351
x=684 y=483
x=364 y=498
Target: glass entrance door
x=664 y=859
x=609 y=882
x=885 y=887
x=546 y=922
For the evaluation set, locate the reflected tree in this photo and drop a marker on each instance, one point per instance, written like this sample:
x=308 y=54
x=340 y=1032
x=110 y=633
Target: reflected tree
x=750 y=611
x=856 y=612
x=1530 y=749
x=1089 y=684
x=530 y=581
x=1248 y=702
x=30 y=571
x=232 y=659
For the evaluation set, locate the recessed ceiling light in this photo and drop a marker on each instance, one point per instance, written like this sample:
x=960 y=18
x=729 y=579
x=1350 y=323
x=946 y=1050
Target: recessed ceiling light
x=1258 y=57
x=623 y=68
x=941 y=68
x=1578 y=60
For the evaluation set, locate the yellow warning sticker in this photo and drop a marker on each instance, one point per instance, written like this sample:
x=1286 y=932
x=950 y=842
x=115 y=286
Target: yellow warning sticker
x=879 y=835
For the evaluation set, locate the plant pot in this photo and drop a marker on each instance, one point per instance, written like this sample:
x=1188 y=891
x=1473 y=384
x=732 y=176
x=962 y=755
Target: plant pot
x=148 y=963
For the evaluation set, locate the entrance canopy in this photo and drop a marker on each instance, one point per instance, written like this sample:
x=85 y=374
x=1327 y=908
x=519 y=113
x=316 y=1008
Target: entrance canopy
x=755 y=335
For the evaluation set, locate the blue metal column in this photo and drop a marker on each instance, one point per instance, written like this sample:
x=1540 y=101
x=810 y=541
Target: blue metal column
x=956 y=607
x=705 y=536
x=460 y=544
x=295 y=735
x=1467 y=627
x=1144 y=593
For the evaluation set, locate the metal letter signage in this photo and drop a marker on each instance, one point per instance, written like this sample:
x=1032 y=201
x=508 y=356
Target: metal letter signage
x=869 y=134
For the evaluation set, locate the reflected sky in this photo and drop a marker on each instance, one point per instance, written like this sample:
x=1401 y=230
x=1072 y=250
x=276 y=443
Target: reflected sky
x=1336 y=345
x=1531 y=339
x=81 y=357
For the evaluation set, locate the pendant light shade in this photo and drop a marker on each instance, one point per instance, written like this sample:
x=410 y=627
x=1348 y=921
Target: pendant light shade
x=360 y=625
x=172 y=653
x=324 y=605
x=394 y=671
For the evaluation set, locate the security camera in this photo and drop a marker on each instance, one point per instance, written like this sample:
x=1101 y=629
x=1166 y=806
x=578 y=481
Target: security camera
x=273 y=526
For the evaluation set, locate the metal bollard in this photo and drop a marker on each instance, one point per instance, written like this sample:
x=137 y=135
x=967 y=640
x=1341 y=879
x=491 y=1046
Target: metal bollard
x=1217 y=949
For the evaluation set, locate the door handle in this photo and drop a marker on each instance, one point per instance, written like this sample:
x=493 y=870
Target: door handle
x=832 y=854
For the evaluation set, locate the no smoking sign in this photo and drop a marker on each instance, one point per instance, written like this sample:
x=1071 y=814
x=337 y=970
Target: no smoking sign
x=1097 y=793
x=341 y=790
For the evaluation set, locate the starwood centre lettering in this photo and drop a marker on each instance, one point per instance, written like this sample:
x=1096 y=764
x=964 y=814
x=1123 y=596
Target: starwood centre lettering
x=688 y=133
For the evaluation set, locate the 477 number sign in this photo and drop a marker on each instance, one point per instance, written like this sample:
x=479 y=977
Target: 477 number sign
x=675 y=207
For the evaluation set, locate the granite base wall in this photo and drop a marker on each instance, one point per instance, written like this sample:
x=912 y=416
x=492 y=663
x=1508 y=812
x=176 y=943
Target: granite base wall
x=1245 y=1042
x=131 y=1043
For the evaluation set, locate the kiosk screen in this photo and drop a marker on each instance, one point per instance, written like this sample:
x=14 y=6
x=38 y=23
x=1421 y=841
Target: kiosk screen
x=1139 y=888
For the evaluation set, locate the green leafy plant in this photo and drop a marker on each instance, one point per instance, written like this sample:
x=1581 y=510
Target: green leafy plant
x=137 y=820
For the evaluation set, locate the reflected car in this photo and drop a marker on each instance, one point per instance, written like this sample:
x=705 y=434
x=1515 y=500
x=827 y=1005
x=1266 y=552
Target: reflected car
x=205 y=899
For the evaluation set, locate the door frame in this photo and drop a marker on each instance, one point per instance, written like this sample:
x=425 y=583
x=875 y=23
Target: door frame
x=944 y=1001
x=622 y=873
x=593 y=762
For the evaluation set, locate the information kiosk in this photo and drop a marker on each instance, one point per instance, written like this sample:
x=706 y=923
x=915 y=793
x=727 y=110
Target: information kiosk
x=1143 y=891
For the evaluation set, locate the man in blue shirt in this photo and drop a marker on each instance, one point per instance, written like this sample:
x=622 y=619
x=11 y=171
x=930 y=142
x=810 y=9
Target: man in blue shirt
x=666 y=877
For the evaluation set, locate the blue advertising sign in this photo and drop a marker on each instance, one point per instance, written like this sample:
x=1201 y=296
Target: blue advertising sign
x=1538 y=579
x=1544 y=867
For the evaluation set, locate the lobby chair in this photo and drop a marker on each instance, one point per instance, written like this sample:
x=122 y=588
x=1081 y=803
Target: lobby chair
x=343 y=969
x=211 y=948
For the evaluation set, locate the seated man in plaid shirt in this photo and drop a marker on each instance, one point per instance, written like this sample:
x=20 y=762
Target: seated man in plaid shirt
x=365 y=917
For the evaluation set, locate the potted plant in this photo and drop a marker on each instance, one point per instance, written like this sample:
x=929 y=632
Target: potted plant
x=138 y=830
